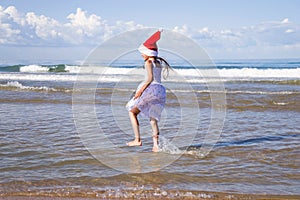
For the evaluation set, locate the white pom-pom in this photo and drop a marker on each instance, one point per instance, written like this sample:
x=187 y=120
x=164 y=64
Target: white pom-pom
x=160 y=29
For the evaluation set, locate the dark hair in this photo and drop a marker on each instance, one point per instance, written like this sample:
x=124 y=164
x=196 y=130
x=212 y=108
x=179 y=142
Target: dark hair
x=166 y=67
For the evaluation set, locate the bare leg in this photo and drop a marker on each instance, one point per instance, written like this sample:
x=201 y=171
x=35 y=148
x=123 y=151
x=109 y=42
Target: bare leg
x=136 y=129
x=155 y=132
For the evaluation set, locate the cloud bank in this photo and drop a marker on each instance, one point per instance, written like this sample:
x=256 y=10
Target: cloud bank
x=32 y=29
x=83 y=29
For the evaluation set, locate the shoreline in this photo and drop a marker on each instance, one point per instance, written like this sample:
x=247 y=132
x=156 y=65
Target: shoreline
x=148 y=194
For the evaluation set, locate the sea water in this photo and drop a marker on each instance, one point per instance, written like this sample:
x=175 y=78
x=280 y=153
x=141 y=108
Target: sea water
x=44 y=152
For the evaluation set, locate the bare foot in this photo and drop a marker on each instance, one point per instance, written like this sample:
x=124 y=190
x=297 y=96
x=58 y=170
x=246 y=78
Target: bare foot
x=155 y=148
x=134 y=143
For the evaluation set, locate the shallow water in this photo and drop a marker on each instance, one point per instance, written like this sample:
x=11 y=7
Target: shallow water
x=44 y=152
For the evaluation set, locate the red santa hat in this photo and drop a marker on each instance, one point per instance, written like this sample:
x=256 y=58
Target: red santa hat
x=149 y=47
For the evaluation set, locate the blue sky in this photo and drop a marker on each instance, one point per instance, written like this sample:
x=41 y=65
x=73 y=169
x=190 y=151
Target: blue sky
x=68 y=30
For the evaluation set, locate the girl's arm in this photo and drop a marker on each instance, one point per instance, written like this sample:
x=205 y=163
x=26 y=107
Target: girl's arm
x=149 y=70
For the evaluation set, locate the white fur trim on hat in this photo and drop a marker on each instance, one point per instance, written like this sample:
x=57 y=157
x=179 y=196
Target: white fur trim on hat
x=146 y=51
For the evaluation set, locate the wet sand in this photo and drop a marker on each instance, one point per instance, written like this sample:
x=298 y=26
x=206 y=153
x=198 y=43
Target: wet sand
x=167 y=195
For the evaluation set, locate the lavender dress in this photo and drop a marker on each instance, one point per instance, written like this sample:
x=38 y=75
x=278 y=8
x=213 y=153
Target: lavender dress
x=152 y=101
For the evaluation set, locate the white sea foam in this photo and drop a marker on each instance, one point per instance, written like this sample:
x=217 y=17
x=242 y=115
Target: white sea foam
x=102 y=74
x=280 y=103
x=260 y=73
x=72 y=69
x=34 y=68
x=37 y=77
x=17 y=85
x=241 y=73
x=209 y=73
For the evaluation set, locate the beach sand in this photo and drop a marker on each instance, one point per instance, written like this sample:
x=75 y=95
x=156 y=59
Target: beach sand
x=168 y=195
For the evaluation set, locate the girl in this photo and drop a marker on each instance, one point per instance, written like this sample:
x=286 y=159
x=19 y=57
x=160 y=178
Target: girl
x=150 y=96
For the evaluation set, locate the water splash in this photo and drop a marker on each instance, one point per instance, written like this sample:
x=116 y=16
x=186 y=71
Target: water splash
x=167 y=146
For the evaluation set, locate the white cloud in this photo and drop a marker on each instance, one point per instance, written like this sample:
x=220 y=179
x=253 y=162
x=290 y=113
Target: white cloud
x=13 y=14
x=273 y=33
x=45 y=27
x=84 y=29
x=289 y=31
x=7 y=31
x=183 y=30
x=267 y=39
x=79 y=19
x=84 y=25
x=285 y=21
x=78 y=30
x=32 y=29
